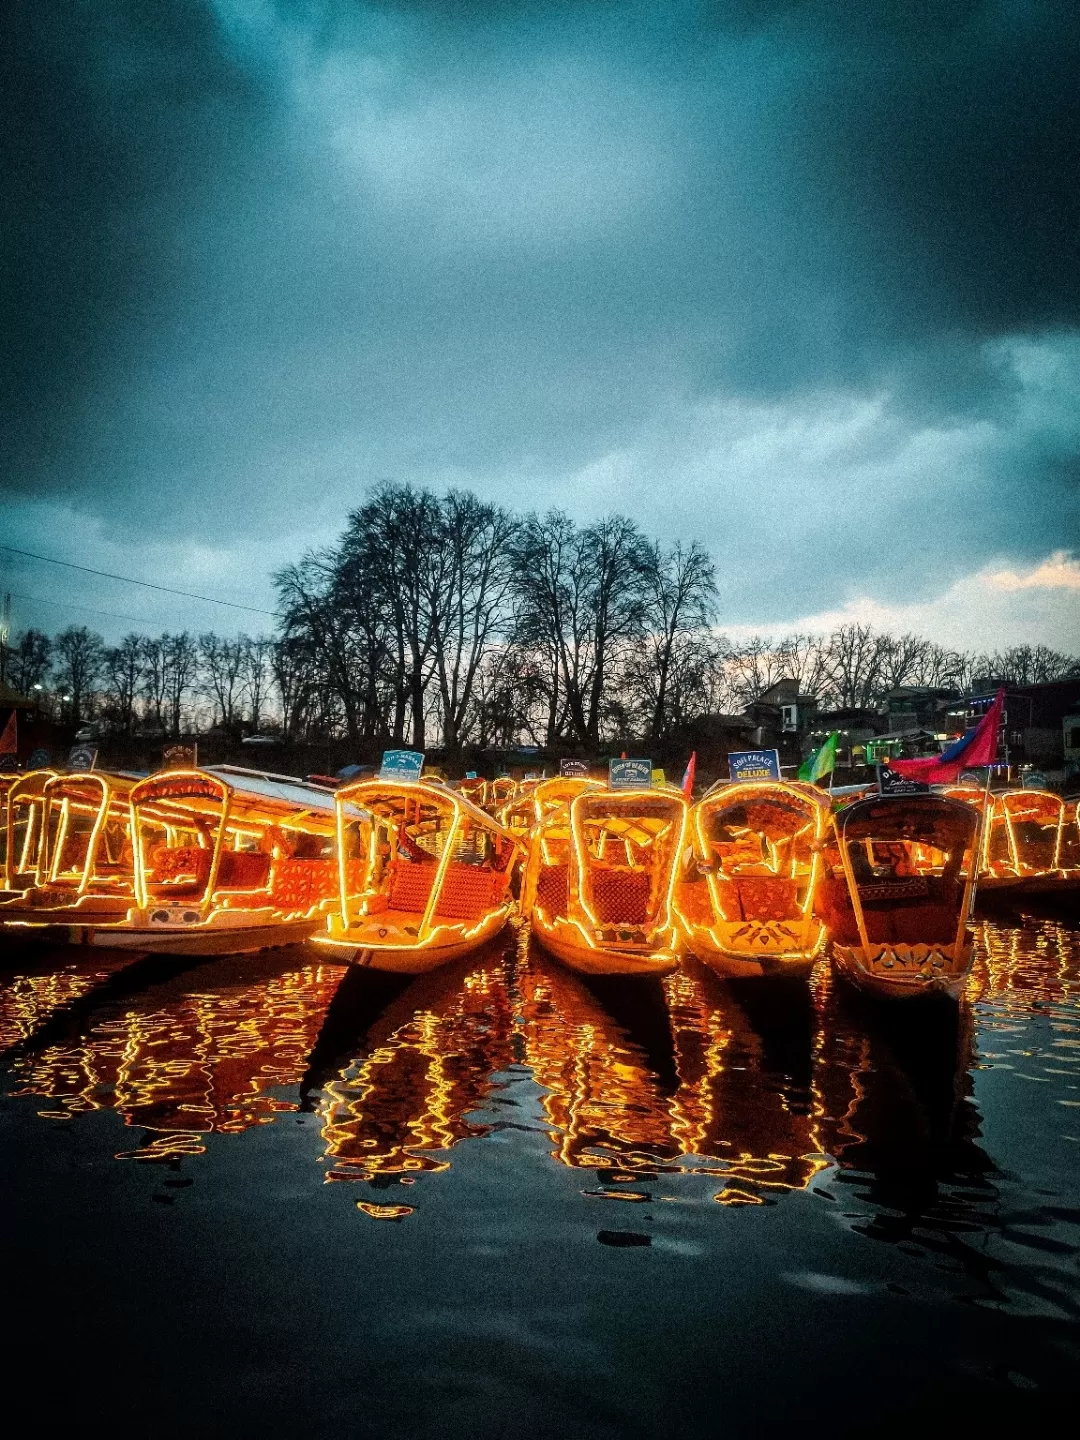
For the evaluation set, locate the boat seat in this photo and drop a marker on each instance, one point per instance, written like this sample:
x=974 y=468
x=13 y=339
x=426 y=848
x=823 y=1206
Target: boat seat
x=185 y=868
x=469 y=892
x=243 y=870
x=553 y=889
x=620 y=897
x=410 y=886
x=767 y=897
x=300 y=884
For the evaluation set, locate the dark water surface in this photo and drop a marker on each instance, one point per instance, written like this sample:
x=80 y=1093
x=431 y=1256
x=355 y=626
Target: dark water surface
x=271 y=1196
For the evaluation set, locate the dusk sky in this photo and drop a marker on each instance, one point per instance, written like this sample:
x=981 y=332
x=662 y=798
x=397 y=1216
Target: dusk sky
x=799 y=281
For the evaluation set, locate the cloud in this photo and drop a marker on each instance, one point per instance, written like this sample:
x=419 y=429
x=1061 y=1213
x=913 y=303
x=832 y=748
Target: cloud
x=982 y=611
x=793 y=279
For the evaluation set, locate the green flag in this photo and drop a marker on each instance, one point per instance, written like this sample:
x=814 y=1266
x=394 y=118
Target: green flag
x=822 y=762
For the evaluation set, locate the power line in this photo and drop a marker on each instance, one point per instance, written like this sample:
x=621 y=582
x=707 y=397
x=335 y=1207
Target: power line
x=146 y=584
x=81 y=609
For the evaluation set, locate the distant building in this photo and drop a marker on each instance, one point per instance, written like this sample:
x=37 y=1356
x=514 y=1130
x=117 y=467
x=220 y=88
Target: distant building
x=855 y=728
x=918 y=707
x=781 y=718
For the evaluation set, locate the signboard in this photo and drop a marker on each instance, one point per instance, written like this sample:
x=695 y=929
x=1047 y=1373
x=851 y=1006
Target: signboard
x=571 y=769
x=754 y=765
x=471 y=775
x=10 y=763
x=39 y=759
x=180 y=757
x=891 y=782
x=1035 y=780
x=82 y=757
x=970 y=779
x=630 y=774
x=659 y=778
x=401 y=765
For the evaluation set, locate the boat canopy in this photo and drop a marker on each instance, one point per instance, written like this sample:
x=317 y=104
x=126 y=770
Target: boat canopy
x=907 y=866
x=626 y=845
x=23 y=828
x=87 y=832
x=417 y=860
x=759 y=846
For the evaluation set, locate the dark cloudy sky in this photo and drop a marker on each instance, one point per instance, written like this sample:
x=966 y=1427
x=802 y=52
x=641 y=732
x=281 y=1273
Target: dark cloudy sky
x=795 y=278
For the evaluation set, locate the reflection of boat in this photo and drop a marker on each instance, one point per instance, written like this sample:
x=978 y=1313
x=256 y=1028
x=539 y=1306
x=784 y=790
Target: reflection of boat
x=188 y=1057
x=226 y=861
x=746 y=901
x=36 y=984
x=423 y=875
x=709 y=1092
x=896 y=893
x=598 y=886
x=24 y=806
x=604 y=1100
x=85 y=869
x=748 y=1099
x=401 y=1101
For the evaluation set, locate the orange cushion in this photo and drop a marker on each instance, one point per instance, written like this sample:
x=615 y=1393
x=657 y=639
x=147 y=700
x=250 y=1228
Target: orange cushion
x=620 y=897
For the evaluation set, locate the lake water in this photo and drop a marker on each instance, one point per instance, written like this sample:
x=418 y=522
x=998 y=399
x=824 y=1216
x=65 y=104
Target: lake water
x=273 y=1196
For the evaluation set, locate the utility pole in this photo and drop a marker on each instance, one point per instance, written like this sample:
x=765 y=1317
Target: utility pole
x=5 y=634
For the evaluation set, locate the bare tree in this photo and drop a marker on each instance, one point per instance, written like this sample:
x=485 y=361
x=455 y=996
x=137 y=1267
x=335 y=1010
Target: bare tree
x=78 y=654
x=680 y=599
x=223 y=663
x=124 y=666
x=28 y=660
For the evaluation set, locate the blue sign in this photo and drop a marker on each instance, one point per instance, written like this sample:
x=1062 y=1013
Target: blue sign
x=402 y=765
x=1035 y=780
x=754 y=765
x=470 y=775
x=39 y=759
x=630 y=774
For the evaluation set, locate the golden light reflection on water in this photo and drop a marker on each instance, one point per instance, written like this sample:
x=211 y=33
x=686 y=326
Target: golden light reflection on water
x=36 y=987
x=762 y=1090
x=398 y=1107
x=185 y=1062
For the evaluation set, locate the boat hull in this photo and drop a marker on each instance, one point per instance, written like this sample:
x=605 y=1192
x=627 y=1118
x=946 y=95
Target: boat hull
x=354 y=948
x=752 y=949
x=586 y=959
x=904 y=972
x=58 y=928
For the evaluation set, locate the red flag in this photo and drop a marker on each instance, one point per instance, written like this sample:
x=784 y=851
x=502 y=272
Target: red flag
x=688 y=776
x=977 y=747
x=9 y=740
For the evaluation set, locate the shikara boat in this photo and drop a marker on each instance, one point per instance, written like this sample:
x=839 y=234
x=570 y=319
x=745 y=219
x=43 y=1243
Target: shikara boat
x=745 y=902
x=896 y=893
x=84 y=871
x=226 y=861
x=24 y=807
x=600 y=875
x=1028 y=844
x=424 y=875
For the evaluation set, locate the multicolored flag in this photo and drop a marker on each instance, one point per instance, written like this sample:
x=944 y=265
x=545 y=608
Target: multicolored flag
x=688 y=776
x=974 y=749
x=822 y=762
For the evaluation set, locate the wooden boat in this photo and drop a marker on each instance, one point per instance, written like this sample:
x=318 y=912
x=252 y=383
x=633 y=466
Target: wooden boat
x=226 y=861
x=896 y=893
x=745 y=901
x=24 y=806
x=1026 y=846
x=599 y=880
x=423 y=875
x=84 y=870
